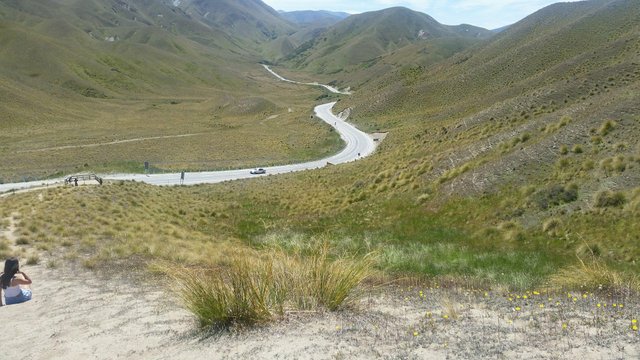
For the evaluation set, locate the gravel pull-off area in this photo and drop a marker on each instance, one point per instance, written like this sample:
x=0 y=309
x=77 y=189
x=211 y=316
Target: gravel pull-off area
x=86 y=316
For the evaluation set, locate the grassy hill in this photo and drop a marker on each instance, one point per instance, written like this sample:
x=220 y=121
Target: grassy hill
x=78 y=73
x=361 y=40
x=251 y=21
x=506 y=163
x=311 y=25
x=530 y=141
x=314 y=18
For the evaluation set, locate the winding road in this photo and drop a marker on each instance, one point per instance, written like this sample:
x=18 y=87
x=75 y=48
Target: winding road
x=358 y=145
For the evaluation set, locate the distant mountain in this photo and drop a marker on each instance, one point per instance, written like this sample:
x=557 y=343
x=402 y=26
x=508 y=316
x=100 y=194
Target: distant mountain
x=314 y=18
x=501 y=29
x=57 y=56
x=248 y=19
x=362 y=38
x=103 y=47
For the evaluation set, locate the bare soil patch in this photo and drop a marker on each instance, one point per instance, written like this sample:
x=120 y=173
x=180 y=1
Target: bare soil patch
x=80 y=315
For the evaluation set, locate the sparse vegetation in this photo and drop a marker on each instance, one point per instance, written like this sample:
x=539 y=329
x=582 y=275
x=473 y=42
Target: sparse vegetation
x=609 y=198
x=555 y=195
x=495 y=170
x=253 y=288
x=606 y=127
x=594 y=274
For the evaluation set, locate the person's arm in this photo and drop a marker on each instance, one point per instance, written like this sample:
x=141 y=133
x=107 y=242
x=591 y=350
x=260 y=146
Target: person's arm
x=25 y=281
x=1 y=294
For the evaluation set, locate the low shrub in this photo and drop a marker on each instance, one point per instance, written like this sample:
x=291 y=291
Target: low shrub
x=260 y=286
x=33 y=259
x=554 y=196
x=553 y=226
x=609 y=198
x=606 y=127
x=594 y=273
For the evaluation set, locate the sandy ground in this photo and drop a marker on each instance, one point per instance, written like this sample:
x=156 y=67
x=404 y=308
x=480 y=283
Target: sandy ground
x=83 y=315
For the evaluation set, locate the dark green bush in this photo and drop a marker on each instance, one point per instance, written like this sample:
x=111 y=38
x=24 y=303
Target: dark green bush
x=554 y=196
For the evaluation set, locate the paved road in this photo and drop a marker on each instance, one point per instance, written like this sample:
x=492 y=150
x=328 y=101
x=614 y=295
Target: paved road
x=330 y=88
x=358 y=145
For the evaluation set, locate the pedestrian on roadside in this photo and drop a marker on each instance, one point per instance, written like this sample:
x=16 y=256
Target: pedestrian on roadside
x=12 y=283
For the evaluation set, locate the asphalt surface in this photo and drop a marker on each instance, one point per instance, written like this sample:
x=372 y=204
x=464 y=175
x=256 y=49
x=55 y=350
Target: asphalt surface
x=357 y=145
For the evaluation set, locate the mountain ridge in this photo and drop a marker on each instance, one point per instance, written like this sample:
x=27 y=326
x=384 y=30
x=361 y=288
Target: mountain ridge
x=365 y=37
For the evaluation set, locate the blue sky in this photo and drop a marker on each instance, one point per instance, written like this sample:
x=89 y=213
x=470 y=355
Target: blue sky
x=489 y=14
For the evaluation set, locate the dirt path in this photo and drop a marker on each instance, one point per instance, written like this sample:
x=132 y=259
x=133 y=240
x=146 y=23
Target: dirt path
x=83 y=316
x=64 y=147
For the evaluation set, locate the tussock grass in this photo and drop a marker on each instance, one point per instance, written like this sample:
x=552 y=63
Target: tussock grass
x=256 y=287
x=607 y=127
x=437 y=123
x=242 y=293
x=33 y=259
x=609 y=198
x=5 y=249
x=553 y=226
x=450 y=308
x=593 y=273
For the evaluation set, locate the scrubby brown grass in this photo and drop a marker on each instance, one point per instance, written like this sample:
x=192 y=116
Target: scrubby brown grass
x=592 y=273
x=255 y=287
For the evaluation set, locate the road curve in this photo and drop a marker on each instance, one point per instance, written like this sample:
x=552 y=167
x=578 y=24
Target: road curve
x=358 y=145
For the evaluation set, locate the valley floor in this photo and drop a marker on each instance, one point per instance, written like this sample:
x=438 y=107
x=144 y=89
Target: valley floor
x=82 y=315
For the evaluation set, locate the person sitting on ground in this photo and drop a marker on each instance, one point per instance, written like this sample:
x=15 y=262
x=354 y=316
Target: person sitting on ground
x=11 y=282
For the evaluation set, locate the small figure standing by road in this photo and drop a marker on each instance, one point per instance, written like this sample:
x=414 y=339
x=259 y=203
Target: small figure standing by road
x=75 y=181
x=182 y=178
x=12 y=281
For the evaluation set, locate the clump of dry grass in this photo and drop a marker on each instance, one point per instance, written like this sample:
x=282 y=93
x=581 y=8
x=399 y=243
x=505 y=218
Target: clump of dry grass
x=255 y=287
x=593 y=273
x=553 y=226
x=609 y=198
x=450 y=308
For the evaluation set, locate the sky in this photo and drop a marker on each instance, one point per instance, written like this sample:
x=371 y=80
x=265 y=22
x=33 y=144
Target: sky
x=490 y=14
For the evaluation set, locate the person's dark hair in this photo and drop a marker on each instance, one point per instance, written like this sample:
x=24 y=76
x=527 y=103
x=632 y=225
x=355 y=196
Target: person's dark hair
x=11 y=267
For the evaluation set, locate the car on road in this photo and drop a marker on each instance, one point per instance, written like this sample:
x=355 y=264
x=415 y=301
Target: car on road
x=258 y=171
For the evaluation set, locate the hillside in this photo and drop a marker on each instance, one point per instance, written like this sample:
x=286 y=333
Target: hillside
x=360 y=40
x=314 y=18
x=511 y=162
x=251 y=21
x=541 y=125
x=93 y=72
